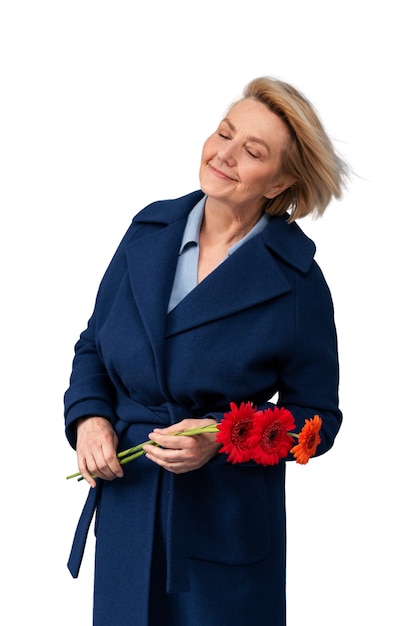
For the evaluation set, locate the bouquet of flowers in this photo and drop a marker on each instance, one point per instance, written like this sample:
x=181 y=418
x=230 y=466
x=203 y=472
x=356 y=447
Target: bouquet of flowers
x=248 y=434
x=266 y=436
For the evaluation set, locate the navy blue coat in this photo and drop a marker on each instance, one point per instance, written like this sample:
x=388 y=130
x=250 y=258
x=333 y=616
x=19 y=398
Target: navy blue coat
x=261 y=323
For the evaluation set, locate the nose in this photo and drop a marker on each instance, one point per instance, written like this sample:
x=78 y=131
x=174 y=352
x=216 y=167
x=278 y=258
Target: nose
x=227 y=152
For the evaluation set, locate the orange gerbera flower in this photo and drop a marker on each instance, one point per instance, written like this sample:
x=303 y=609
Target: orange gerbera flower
x=309 y=440
x=236 y=432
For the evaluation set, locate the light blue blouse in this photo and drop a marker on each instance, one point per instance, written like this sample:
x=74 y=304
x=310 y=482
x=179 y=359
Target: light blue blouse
x=186 y=273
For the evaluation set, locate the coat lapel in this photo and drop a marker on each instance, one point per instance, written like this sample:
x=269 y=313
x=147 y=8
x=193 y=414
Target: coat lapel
x=152 y=264
x=152 y=261
x=235 y=285
x=252 y=275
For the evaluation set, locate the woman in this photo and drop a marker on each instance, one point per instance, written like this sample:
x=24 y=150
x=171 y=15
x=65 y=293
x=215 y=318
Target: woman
x=210 y=299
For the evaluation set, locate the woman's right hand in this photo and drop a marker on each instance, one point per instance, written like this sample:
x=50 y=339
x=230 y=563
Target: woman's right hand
x=96 y=450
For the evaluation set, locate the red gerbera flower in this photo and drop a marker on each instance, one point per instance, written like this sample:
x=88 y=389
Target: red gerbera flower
x=273 y=441
x=236 y=432
x=309 y=440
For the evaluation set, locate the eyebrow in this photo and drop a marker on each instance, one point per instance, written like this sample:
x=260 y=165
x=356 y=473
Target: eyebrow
x=251 y=138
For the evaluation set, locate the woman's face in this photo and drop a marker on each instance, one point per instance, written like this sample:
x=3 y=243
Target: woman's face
x=241 y=161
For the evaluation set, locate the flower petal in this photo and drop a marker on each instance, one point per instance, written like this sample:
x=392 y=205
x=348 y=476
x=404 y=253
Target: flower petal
x=309 y=439
x=236 y=432
x=271 y=429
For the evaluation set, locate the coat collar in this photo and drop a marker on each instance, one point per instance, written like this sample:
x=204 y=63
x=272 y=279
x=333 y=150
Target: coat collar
x=165 y=212
x=287 y=241
x=233 y=286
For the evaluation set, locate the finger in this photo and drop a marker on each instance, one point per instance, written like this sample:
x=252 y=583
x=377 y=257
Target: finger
x=107 y=467
x=171 y=441
x=169 y=430
x=112 y=466
x=101 y=463
x=174 y=461
x=164 y=456
x=178 y=427
x=86 y=474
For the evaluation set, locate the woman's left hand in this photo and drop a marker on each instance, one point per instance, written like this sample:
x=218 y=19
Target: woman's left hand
x=180 y=454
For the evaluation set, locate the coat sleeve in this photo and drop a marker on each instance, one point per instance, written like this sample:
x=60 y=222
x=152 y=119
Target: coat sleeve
x=309 y=377
x=91 y=391
x=308 y=374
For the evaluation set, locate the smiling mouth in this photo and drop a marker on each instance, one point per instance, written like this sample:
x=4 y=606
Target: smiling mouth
x=220 y=173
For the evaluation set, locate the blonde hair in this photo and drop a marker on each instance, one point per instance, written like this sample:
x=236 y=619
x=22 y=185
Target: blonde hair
x=310 y=161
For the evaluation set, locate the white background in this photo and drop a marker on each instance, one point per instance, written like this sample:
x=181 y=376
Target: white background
x=104 y=107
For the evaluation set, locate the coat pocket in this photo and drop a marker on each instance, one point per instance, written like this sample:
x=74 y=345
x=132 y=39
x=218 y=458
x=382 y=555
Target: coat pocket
x=229 y=518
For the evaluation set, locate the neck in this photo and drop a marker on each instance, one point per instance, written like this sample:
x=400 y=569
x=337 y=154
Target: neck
x=227 y=225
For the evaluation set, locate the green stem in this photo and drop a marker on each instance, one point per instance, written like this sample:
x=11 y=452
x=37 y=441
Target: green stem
x=132 y=457
x=132 y=450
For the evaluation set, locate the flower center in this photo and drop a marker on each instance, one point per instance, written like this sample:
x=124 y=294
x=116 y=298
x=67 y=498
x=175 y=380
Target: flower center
x=311 y=441
x=271 y=433
x=240 y=431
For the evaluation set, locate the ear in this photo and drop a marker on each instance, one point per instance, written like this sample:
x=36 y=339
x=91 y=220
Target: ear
x=282 y=184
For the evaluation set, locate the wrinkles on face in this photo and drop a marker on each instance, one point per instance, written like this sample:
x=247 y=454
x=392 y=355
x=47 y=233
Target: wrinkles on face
x=241 y=159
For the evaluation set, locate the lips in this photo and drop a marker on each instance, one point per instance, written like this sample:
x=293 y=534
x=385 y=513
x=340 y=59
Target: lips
x=220 y=174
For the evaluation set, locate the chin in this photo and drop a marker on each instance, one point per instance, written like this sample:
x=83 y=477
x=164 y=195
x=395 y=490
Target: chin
x=216 y=188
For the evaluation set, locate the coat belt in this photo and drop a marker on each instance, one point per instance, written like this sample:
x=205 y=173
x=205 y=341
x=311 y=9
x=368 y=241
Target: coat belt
x=177 y=535
x=80 y=536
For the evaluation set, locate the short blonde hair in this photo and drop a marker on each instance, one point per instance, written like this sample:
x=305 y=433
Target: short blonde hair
x=310 y=159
